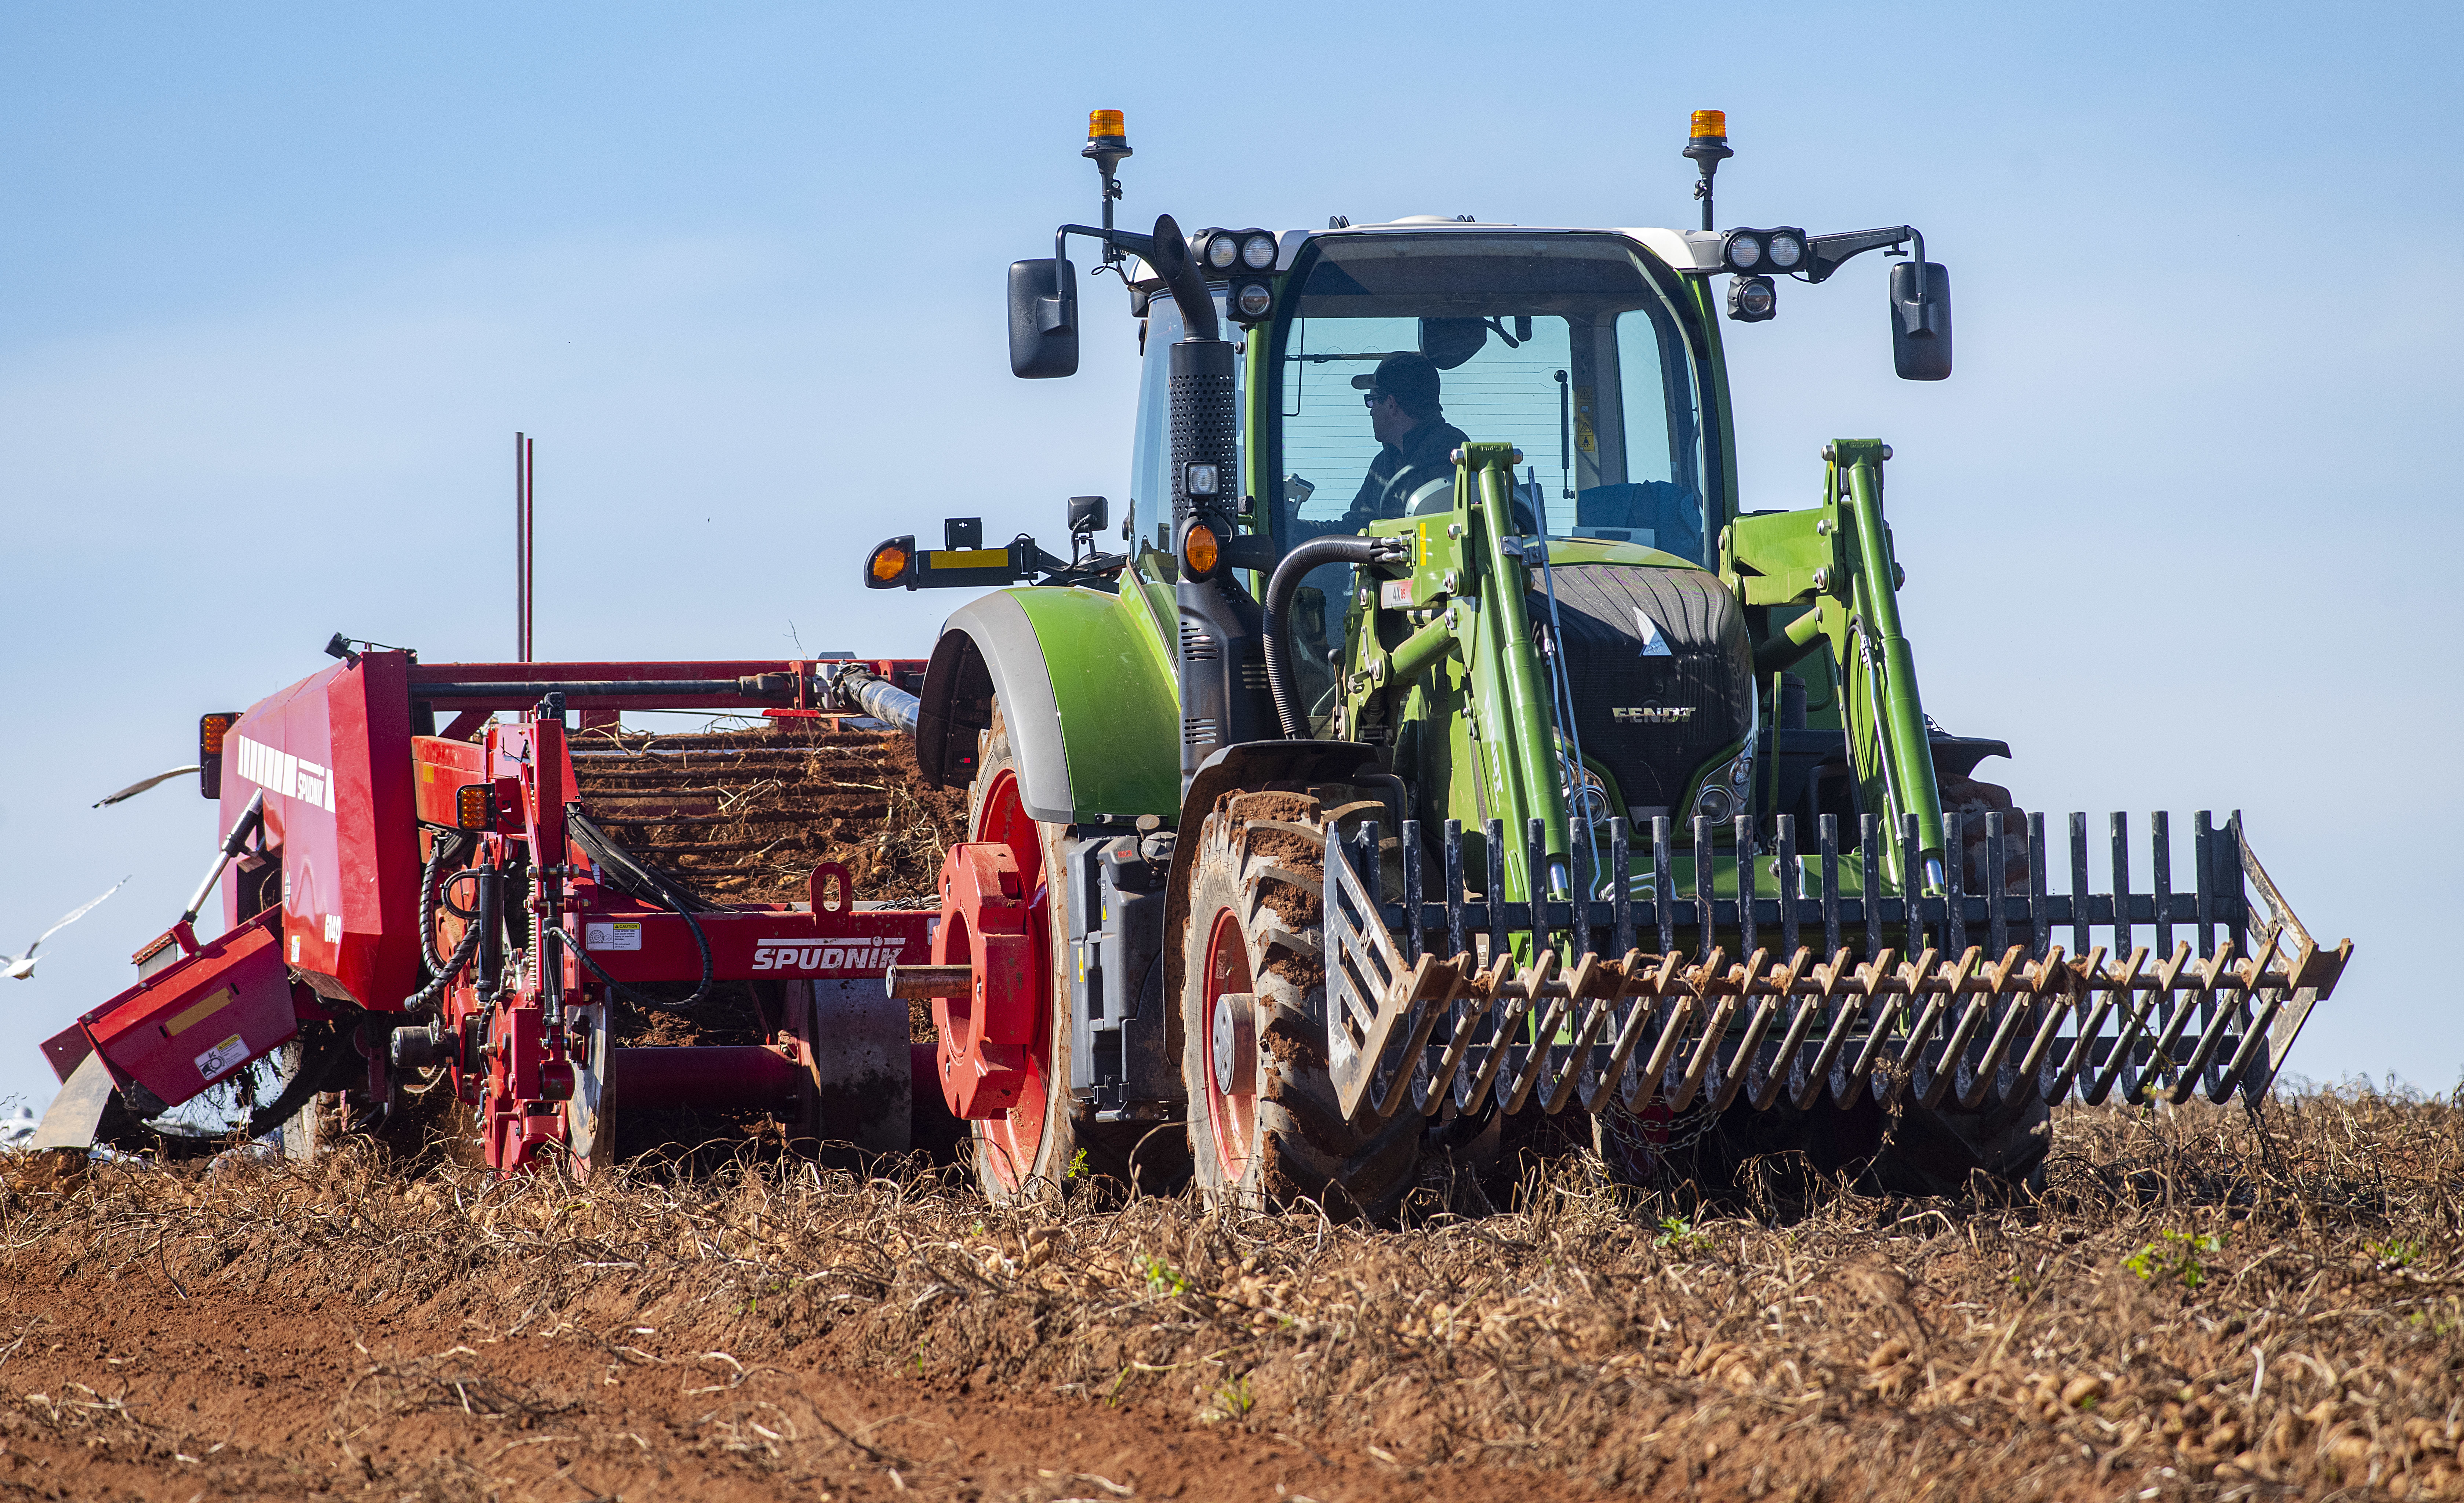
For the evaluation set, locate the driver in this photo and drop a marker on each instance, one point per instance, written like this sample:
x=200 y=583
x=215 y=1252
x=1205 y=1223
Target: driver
x=1404 y=415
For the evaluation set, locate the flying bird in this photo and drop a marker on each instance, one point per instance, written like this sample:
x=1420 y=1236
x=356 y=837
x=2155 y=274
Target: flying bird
x=135 y=788
x=22 y=966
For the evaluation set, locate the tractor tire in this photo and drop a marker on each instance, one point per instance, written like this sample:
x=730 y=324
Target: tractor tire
x=1266 y=1131
x=1971 y=799
x=1043 y=1145
x=1948 y=1150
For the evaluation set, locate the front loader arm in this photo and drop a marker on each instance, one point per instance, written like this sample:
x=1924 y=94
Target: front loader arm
x=1836 y=558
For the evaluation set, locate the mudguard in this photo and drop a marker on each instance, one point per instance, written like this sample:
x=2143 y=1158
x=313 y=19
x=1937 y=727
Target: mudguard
x=1087 y=693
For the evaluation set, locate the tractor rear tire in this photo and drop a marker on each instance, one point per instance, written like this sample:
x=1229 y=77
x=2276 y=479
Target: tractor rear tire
x=1044 y=1144
x=1268 y=1132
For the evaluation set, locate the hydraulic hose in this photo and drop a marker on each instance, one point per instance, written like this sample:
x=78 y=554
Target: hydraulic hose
x=1279 y=589
x=618 y=864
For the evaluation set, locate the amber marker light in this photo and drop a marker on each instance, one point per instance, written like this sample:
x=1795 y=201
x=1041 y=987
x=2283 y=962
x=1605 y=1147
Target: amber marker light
x=210 y=730
x=474 y=806
x=890 y=564
x=1201 y=551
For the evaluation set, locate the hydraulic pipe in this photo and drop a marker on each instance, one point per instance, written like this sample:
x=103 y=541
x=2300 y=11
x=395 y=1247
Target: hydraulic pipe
x=1902 y=730
x=1534 y=755
x=703 y=1077
x=234 y=843
x=1286 y=582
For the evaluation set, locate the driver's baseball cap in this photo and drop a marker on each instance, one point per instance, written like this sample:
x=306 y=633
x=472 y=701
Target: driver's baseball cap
x=1409 y=377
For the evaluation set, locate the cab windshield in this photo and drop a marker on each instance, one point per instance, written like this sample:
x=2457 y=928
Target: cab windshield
x=1560 y=344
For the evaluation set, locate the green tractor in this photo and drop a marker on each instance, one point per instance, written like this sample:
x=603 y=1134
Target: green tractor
x=1446 y=753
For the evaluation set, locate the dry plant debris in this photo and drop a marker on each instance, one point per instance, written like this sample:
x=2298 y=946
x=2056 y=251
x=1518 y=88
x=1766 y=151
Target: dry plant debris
x=2193 y=1310
x=745 y=816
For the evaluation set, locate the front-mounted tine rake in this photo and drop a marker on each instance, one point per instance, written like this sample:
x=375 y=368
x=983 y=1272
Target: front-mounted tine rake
x=1650 y=986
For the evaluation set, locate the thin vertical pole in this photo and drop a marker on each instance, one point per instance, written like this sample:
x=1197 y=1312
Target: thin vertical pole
x=522 y=549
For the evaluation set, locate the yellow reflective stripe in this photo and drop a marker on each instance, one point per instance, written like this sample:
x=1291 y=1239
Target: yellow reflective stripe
x=199 y=1012
x=967 y=558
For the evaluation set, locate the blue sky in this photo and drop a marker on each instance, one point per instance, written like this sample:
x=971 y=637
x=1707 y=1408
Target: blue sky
x=278 y=283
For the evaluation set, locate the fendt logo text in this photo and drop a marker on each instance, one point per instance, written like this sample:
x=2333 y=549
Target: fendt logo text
x=801 y=954
x=1655 y=714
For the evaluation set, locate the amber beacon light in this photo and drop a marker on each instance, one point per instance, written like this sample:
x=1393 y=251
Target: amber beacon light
x=1706 y=145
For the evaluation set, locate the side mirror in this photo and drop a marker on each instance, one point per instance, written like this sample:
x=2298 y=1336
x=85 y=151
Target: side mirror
x=1921 y=328
x=1086 y=515
x=1043 y=318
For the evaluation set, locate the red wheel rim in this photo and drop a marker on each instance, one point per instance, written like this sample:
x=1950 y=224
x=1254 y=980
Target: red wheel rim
x=1010 y=1143
x=1231 y=1116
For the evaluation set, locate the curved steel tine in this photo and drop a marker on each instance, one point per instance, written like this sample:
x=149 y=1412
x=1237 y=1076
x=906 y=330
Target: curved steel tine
x=1602 y=1094
x=2221 y=1016
x=1990 y=1084
x=1929 y=1082
x=1764 y=1082
x=1514 y=1093
x=2270 y=999
x=2177 y=1018
x=1678 y=1087
x=1722 y=1012
x=1440 y=1004
x=2134 y=1083
x=1507 y=1010
x=1807 y=1084
x=1467 y=1021
x=1741 y=1063
x=1721 y=1079
x=2126 y=1033
x=1887 y=988
x=1643 y=1085
x=2087 y=1016
x=1583 y=982
x=1933 y=993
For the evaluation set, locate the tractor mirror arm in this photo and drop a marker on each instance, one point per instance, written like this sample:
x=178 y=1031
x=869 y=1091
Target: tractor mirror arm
x=1114 y=241
x=1825 y=255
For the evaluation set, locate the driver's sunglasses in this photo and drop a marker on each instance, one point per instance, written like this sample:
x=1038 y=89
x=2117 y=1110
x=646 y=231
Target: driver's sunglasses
x=1371 y=397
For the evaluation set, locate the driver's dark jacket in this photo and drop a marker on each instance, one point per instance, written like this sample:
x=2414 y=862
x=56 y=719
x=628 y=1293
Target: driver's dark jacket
x=1398 y=470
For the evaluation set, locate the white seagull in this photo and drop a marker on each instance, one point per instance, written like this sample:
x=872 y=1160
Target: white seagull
x=22 y=966
x=135 y=788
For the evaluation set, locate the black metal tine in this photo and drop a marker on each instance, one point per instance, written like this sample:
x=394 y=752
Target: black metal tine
x=1912 y=879
x=1828 y=827
x=1411 y=891
x=2121 y=941
x=1621 y=884
x=1454 y=936
x=2160 y=833
x=1498 y=943
x=1372 y=871
x=1663 y=883
x=2079 y=883
x=1535 y=862
x=1997 y=889
x=1703 y=904
x=1743 y=852
x=1954 y=847
x=2237 y=897
x=2203 y=855
x=2038 y=937
x=1869 y=845
x=1586 y=880
x=1789 y=887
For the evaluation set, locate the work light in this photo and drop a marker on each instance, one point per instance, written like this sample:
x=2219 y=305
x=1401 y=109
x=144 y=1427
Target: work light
x=1257 y=250
x=1200 y=479
x=1253 y=299
x=1219 y=249
x=1780 y=248
x=1752 y=300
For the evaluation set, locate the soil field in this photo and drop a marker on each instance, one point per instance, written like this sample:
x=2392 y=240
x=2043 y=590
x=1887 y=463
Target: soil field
x=2194 y=1310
